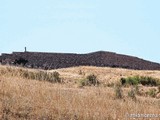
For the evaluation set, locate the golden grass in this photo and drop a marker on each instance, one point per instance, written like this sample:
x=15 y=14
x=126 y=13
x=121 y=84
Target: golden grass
x=105 y=75
x=22 y=98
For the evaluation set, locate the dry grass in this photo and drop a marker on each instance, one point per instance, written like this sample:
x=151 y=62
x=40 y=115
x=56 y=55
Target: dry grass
x=22 y=98
x=105 y=75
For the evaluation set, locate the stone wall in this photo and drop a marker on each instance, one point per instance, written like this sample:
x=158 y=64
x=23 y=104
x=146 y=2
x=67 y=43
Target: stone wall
x=64 y=60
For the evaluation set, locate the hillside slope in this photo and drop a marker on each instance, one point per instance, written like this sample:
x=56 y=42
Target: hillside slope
x=22 y=98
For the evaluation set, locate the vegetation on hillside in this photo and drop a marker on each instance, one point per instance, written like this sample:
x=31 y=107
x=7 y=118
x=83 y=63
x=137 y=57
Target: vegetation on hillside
x=89 y=80
x=144 y=80
x=36 y=94
x=30 y=74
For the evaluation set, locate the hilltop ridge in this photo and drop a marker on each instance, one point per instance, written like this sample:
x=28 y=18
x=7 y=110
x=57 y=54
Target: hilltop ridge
x=46 y=60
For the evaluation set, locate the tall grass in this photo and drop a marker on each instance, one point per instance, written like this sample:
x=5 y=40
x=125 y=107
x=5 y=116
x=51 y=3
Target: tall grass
x=31 y=74
x=118 y=92
x=22 y=98
x=34 y=100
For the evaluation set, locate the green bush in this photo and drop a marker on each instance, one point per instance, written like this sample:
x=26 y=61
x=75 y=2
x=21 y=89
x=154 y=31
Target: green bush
x=135 y=80
x=130 y=80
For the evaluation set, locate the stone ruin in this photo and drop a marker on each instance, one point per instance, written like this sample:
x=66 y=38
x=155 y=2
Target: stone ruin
x=63 y=60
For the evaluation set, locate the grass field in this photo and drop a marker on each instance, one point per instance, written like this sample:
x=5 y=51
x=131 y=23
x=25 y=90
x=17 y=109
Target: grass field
x=24 y=98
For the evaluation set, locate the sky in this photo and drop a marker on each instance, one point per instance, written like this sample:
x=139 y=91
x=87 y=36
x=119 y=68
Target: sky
x=130 y=27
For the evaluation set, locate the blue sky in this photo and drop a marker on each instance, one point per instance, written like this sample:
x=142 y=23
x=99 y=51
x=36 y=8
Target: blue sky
x=129 y=27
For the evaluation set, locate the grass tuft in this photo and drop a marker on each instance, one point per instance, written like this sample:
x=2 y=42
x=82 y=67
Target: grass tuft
x=118 y=92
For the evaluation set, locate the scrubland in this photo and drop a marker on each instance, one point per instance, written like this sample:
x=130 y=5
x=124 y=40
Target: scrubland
x=29 y=94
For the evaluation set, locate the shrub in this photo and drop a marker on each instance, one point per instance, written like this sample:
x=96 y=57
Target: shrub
x=56 y=77
x=92 y=80
x=20 y=61
x=148 y=81
x=123 y=81
x=89 y=80
x=135 y=80
x=130 y=80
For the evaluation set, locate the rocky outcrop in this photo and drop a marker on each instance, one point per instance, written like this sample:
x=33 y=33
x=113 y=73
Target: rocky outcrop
x=64 y=60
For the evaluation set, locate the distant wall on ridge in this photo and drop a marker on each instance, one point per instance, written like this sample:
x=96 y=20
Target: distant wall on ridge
x=63 y=60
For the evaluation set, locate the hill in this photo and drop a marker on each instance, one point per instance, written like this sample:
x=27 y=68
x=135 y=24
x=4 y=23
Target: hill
x=64 y=60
